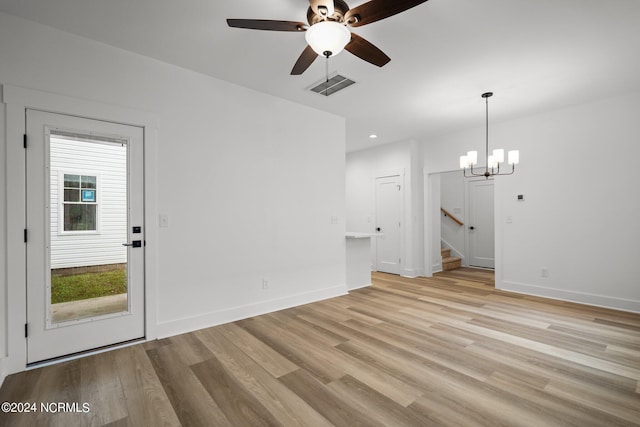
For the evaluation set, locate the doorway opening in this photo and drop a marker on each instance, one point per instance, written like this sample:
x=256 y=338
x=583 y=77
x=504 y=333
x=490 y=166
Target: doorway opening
x=462 y=220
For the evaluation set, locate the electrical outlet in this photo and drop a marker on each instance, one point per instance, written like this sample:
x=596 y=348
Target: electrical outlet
x=544 y=272
x=265 y=284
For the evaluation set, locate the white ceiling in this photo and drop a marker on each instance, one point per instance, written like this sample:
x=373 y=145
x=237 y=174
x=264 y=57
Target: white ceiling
x=535 y=55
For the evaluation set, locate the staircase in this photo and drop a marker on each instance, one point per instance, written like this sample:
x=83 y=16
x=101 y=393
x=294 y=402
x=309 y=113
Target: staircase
x=449 y=262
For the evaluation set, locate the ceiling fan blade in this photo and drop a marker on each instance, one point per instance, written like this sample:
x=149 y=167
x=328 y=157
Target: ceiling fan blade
x=375 y=10
x=322 y=7
x=304 y=61
x=267 y=24
x=365 y=50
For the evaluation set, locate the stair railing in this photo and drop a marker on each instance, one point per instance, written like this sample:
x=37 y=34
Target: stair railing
x=453 y=218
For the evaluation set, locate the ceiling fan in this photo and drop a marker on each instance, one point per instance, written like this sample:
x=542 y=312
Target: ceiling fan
x=327 y=31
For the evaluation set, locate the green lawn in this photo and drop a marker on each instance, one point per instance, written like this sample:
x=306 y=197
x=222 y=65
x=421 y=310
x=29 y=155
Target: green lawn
x=88 y=285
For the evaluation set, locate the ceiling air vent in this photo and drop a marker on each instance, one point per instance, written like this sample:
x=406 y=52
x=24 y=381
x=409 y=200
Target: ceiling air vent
x=332 y=85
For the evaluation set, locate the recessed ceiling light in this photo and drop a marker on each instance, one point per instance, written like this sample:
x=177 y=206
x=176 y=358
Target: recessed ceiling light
x=373 y=136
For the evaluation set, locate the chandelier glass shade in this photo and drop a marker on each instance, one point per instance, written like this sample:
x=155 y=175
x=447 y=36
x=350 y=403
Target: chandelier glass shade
x=328 y=38
x=492 y=161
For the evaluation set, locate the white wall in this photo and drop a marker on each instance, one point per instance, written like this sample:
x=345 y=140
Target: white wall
x=362 y=169
x=249 y=193
x=579 y=218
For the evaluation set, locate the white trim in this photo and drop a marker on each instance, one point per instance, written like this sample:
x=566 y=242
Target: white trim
x=412 y=273
x=389 y=173
x=353 y=288
x=430 y=234
x=16 y=258
x=151 y=224
x=189 y=324
x=572 y=296
x=17 y=100
x=498 y=197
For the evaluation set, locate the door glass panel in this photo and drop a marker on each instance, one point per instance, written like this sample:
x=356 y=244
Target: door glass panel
x=88 y=211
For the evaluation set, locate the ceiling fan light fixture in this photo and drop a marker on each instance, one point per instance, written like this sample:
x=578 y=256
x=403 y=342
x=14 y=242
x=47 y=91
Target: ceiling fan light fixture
x=328 y=38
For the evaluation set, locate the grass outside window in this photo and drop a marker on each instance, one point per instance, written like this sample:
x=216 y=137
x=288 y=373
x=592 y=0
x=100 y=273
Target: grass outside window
x=88 y=285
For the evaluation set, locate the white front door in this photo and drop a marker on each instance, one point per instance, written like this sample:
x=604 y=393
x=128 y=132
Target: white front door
x=481 y=224
x=85 y=234
x=389 y=202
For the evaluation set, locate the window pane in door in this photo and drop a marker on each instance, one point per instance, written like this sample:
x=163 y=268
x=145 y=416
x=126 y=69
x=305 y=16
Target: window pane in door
x=88 y=263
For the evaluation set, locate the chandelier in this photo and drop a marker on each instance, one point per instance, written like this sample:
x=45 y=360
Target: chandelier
x=492 y=161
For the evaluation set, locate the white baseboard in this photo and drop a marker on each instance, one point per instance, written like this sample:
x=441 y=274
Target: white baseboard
x=353 y=288
x=189 y=324
x=572 y=296
x=412 y=273
x=436 y=268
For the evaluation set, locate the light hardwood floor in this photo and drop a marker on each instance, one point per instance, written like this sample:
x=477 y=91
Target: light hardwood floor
x=444 y=351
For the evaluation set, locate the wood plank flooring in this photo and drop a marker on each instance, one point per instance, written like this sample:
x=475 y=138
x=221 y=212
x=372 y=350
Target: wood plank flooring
x=443 y=351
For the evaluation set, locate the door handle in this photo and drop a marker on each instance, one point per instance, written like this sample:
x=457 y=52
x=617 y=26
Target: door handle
x=134 y=244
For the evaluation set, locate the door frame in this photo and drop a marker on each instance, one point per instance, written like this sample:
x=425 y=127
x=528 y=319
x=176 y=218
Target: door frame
x=49 y=339
x=17 y=100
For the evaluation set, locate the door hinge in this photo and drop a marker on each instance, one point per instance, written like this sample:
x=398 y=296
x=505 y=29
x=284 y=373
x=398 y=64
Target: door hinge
x=26 y=330
x=26 y=235
x=24 y=140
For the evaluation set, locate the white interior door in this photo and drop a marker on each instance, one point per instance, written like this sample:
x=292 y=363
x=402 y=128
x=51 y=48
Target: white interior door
x=389 y=202
x=85 y=234
x=481 y=224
